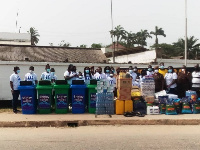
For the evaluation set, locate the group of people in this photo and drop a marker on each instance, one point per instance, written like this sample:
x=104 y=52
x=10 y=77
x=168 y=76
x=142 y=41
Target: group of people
x=171 y=80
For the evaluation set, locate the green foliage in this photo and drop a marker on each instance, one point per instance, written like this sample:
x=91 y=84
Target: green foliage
x=64 y=44
x=34 y=35
x=83 y=46
x=158 y=31
x=95 y=45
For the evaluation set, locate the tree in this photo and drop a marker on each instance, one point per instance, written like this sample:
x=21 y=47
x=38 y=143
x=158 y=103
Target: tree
x=64 y=44
x=34 y=35
x=142 y=36
x=83 y=46
x=129 y=39
x=158 y=31
x=50 y=44
x=95 y=45
x=193 y=47
x=118 y=32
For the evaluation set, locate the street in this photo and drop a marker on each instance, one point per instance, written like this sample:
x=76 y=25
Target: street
x=101 y=137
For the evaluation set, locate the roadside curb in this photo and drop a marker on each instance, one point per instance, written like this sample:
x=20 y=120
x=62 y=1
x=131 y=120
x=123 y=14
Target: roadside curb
x=75 y=123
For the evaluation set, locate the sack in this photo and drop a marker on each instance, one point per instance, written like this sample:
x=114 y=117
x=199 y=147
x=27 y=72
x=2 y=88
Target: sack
x=162 y=108
x=170 y=110
x=177 y=105
x=140 y=106
x=186 y=109
x=196 y=108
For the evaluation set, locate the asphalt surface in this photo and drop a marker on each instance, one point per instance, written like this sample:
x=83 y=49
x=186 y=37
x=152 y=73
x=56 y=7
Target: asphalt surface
x=102 y=137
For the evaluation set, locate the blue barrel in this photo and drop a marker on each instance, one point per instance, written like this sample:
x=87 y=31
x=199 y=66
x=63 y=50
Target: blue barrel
x=28 y=99
x=78 y=98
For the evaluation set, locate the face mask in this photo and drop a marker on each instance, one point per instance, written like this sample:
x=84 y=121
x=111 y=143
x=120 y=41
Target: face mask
x=80 y=77
x=107 y=71
x=170 y=70
x=161 y=67
x=48 y=70
x=87 y=71
x=113 y=71
x=150 y=69
x=130 y=71
x=156 y=71
x=52 y=73
x=18 y=71
x=134 y=70
x=31 y=71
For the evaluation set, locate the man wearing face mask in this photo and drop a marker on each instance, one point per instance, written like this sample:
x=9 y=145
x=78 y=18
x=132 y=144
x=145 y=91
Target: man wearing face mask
x=162 y=69
x=183 y=82
x=14 y=83
x=171 y=79
x=99 y=75
x=107 y=71
x=196 y=79
x=150 y=71
x=46 y=75
x=112 y=80
x=158 y=79
x=132 y=74
x=31 y=76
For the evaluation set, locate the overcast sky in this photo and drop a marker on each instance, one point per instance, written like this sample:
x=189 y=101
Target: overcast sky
x=89 y=21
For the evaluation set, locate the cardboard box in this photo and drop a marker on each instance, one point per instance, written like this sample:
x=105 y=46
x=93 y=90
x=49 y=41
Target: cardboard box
x=149 y=99
x=124 y=93
x=124 y=83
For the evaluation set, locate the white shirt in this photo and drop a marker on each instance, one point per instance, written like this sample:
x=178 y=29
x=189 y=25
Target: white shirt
x=107 y=75
x=15 y=79
x=169 y=77
x=87 y=78
x=133 y=75
x=112 y=81
x=196 y=79
x=30 y=77
x=98 y=76
x=70 y=75
x=54 y=77
x=46 y=76
x=136 y=83
x=150 y=73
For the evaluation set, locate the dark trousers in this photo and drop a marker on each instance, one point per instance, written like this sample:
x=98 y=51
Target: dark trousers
x=172 y=91
x=15 y=99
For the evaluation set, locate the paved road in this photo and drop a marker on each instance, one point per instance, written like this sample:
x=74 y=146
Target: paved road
x=102 y=137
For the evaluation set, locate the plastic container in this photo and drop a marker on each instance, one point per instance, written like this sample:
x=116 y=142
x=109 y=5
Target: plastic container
x=128 y=106
x=149 y=110
x=78 y=98
x=44 y=97
x=28 y=99
x=119 y=107
x=92 y=98
x=61 y=98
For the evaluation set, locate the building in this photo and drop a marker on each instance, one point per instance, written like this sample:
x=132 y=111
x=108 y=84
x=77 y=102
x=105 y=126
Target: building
x=15 y=38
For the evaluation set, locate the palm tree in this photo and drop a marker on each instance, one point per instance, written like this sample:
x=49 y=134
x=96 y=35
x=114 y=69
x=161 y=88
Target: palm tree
x=129 y=38
x=34 y=35
x=142 y=36
x=192 y=46
x=118 y=32
x=158 y=31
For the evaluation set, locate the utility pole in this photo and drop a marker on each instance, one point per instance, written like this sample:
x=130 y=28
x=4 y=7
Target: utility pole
x=185 y=32
x=113 y=46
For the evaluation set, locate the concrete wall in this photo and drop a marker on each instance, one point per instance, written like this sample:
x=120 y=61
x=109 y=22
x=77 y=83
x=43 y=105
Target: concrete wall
x=15 y=43
x=143 y=57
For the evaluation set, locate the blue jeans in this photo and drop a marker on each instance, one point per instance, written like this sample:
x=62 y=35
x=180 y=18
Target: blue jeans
x=15 y=99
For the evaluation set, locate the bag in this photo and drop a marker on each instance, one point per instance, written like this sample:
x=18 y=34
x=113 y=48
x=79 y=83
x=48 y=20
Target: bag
x=186 y=109
x=162 y=108
x=140 y=106
x=170 y=110
x=177 y=105
x=196 y=108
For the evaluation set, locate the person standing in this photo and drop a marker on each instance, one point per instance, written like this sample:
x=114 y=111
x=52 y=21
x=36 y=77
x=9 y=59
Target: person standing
x=171 y=79
x=196 y=79
x=158 y=79
x=70 y=75
x=87 y=75
x=107 y=71
x=132 y=74
x=14 y=83
x=150 y=71
x=99 y=75
x=46 y=75
x=162 y=69
x=31 y=76
x=183 y=82
x=53 y=76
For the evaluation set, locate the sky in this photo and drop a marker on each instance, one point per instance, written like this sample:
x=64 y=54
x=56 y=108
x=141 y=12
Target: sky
x=89 y=21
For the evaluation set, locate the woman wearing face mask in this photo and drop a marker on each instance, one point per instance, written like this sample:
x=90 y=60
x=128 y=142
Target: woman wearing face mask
x=171 y=79
x=150 y=71
x=87 y=75
x=112 y=80
x=183 y=82
x=107 y=71
x=53 y=76
x=99 y=75
x=162 y=69
x=196 y=79
x=158 y=79
x=143 y=74
x=31 y=76
x=46 y=75
x=137 y=82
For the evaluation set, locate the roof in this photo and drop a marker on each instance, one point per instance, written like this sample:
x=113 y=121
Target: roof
x=51 y=54
x=6 y=36
x=119 y=46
